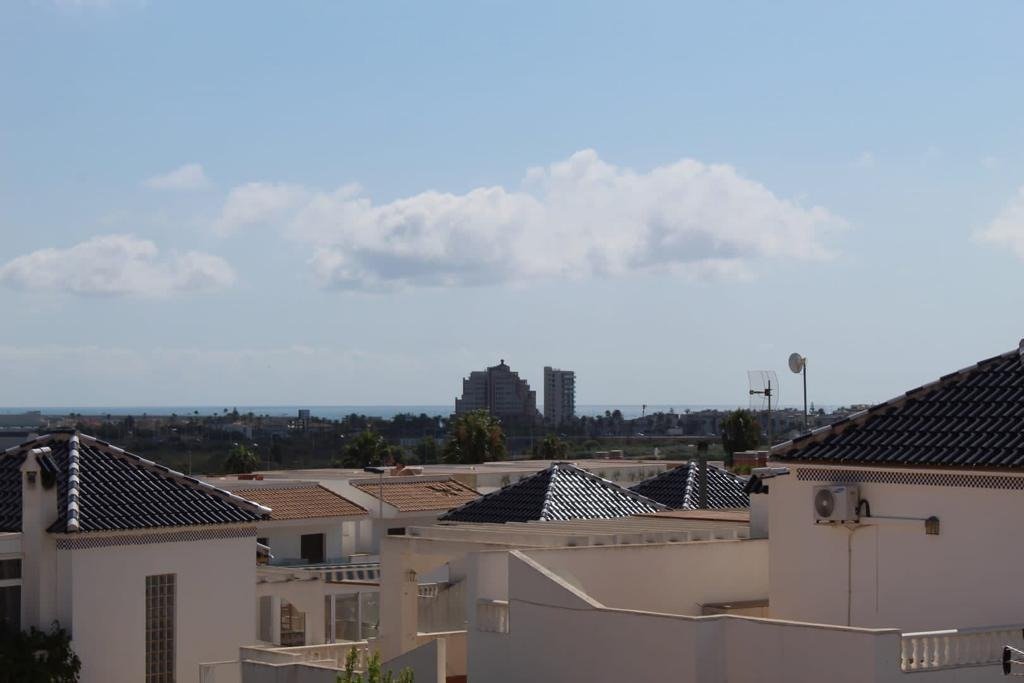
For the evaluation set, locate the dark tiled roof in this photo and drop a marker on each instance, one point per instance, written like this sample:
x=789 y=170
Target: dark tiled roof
x=101 y=487
x=973 y=418
x=562 y=491
x=679 y=489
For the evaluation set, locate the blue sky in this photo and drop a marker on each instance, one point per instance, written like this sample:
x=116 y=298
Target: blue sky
x=331 y=203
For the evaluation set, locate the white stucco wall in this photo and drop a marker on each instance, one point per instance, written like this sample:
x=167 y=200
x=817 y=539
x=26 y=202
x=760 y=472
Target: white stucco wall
x=555 y=635
x=677 y=578
x=896 y=575
x=285 y=537
x=215 y=610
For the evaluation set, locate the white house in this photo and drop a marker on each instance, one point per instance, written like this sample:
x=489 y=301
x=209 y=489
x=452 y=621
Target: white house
x=398 y=502
x=151 y=571
x=308 y=523
x=951 y=452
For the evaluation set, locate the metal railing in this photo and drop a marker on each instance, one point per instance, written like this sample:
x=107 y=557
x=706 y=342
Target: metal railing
x=957 y=648
x=492 y=616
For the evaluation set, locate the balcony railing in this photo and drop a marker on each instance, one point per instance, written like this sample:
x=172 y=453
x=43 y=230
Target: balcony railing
x=492 y=616
x=957 y=648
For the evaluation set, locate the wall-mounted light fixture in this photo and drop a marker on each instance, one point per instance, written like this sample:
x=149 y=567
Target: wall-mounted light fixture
x=931 y=526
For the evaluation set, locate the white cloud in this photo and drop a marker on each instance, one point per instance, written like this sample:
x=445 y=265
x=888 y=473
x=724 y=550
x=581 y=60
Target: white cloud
x=257 y=203
x=577 y=218
x=116 y=265
x=865 y=160
x=1007 y=230
x=187 y=177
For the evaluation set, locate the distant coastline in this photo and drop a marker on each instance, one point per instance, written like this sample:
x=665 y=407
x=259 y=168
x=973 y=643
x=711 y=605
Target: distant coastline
x=629 y=411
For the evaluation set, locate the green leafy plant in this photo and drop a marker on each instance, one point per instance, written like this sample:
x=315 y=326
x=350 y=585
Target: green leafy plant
x=36 y=656
x=476 y=437
x=740 y=432
x=551 y=448
x=369 y=448
x=373 y=671
x=241 y=460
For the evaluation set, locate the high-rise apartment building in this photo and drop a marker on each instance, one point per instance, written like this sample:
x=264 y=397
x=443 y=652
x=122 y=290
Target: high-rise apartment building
x=500 y=392
x=559 y=395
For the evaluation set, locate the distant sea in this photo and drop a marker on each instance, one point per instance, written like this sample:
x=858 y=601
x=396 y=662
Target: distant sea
x=337 y=412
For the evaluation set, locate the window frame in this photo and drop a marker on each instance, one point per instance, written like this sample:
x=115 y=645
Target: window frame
x=161 y=628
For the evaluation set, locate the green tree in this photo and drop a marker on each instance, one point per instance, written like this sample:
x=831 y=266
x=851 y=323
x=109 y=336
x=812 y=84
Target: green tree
x=740 y=432
x=35 y=656
x=427 y=450
x=369 y=448
x=373 y=671
x=551 y=448
x=241 y=460
x=476 y=437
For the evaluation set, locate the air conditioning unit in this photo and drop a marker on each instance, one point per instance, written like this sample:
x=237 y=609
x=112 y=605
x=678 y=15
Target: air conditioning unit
x=836 y=504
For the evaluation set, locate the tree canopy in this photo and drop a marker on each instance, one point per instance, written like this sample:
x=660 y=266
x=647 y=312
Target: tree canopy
x=241 y=460
x=427 y=451
x=36 y=656
x=476 y=437
x=741 y=431
x=369 y=448
x=551 y=448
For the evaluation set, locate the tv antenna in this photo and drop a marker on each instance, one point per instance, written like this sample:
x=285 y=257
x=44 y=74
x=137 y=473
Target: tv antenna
x=798 y=364
x=764 y=386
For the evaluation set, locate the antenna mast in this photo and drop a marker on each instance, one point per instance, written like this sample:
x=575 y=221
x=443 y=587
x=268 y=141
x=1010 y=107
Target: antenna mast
x=764 y=385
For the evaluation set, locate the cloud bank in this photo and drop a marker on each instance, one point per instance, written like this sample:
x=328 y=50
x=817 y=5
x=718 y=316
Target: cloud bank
x=187 y=177
x=116 y=265
x=1007 y=230
x=578 y=218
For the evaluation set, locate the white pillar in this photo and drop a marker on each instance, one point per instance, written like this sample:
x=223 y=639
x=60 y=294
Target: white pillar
x=38 y=546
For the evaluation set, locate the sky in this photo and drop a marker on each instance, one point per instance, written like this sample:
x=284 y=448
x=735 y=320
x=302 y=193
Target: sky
x=266 y=203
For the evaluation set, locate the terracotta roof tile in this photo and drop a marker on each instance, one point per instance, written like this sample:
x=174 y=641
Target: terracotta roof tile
x=301 y=502
x=411 y=495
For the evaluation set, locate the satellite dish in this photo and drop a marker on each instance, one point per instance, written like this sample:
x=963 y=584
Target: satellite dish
x=796 y=362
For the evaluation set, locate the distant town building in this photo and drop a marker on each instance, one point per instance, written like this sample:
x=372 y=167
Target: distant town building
x=559 y=395
x=500 y=392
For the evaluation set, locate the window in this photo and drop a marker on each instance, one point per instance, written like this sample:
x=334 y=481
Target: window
x=312 y=548
x=293 y=625
x=10 y=593
x=160 y=627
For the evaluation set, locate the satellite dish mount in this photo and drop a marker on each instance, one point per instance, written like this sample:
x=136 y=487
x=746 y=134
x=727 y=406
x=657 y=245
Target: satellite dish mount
x=798 y=364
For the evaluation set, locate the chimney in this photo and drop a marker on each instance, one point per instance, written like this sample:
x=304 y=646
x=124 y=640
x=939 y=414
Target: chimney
x=38 y=546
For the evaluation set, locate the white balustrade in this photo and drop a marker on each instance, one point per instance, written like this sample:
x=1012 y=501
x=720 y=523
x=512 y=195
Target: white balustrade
x=492 y=616
x=956 y=648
